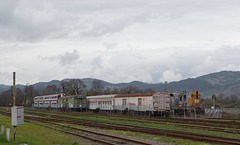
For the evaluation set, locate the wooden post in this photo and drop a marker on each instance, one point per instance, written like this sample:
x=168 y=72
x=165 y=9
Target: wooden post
x=14 y=78
x=14 y=83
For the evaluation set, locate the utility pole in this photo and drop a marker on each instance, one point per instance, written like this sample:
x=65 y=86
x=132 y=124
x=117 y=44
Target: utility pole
x=14 y=83
x=165 y=83
x=17 y=112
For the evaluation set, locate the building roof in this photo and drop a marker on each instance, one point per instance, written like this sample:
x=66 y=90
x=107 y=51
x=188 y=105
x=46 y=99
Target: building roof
x=142 y=94
x=72 y=96
x=134 y=95
x=102 y=96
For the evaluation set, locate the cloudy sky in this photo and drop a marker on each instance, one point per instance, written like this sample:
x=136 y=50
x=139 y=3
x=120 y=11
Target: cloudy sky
x=117 y=40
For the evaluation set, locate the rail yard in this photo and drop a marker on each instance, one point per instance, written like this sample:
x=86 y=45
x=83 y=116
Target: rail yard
x=102 y=128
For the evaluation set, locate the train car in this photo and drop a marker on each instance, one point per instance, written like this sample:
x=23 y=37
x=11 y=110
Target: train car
x=187 y=102
x=103 y=102
x=47 y=101
x=186 y=99
x=195 y=99
x=153 y=102
x=74 y=102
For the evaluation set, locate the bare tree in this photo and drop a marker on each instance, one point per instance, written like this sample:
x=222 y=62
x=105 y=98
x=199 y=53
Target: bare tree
x=5 y=98
x=115 y=91
x=78 y=87
x=73 y=87
x=148 y=90
x=19 y=96
x=29 y=94
x=107 y=91
x=51 y=89
x=66 y=87
x=233 y=99
x=130 y=90
x=97 y=87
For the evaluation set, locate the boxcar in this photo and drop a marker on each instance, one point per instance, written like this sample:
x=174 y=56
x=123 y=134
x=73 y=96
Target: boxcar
x=74 y=102
x=153 y=102
x=103 y=102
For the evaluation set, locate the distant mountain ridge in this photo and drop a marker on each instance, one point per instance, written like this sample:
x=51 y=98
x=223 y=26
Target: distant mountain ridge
x=226 y=82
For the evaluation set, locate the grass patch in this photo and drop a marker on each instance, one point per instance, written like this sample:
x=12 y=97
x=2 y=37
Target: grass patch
x=32 y=134
x=132 y=121
x=135 y=121
x=163 y=139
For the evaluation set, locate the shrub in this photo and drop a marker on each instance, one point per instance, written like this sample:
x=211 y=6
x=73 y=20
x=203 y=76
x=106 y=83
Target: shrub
x=96 y=110
x=125 y=111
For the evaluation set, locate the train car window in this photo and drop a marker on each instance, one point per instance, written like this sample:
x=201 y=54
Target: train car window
x=124 y=102
x=139 y=101
x=184 y=98
x=181 y=98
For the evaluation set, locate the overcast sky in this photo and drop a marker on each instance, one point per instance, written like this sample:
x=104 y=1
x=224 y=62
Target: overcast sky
x=117 y=40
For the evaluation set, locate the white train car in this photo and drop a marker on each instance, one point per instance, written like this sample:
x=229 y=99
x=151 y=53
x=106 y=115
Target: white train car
x=103 y=102
x=154 y=102
x=47 y=101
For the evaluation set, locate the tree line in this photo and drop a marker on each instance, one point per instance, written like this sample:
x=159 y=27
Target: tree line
x=231 y=101
x=68 y=87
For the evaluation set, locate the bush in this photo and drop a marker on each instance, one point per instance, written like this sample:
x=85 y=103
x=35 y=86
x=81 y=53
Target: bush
x=96 y=110
x=125 y=111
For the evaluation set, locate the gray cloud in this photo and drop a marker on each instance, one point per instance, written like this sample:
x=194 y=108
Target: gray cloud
x=119 y=41
x=97 y=62
x=69 y=58
x=65 y=59
x=117 y=25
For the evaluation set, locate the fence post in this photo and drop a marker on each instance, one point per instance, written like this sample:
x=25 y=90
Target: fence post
x=8 y=134
x=2 y=129
x=184 y=112
x=149 y=110
x=195 y=113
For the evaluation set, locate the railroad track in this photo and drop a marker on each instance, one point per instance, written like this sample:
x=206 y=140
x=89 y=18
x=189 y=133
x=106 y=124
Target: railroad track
x=113 y=139
x=202 y=122
x=194 y=124
x=94 y=136
x=169 y=133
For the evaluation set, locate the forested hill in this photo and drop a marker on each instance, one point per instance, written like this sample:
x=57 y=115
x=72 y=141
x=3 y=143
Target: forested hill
x=226 y=82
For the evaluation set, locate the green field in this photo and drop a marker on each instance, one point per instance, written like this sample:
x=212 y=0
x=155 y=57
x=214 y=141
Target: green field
x=32 y=134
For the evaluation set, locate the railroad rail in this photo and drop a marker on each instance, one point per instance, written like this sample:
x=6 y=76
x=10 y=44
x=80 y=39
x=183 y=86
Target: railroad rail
x=194 y=124
x=108 y=139
x=203 y=122
x=169 y=133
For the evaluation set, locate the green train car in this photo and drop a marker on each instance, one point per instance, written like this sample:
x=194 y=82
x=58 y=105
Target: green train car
x=74 y=103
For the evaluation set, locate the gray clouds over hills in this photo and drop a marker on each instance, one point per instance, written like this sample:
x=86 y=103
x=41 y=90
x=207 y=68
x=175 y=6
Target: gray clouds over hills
x=226 y=82
x=117 y=41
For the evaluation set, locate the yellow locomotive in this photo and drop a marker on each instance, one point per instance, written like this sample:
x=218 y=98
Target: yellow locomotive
x=186 y=99
x=188 y=102
x=195 y=99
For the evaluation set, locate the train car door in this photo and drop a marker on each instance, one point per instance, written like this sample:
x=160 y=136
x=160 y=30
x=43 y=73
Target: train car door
x=139 y=101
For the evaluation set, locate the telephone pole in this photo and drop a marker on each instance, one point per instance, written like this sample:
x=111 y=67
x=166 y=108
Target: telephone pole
x=14 y=83
x=165 y=83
